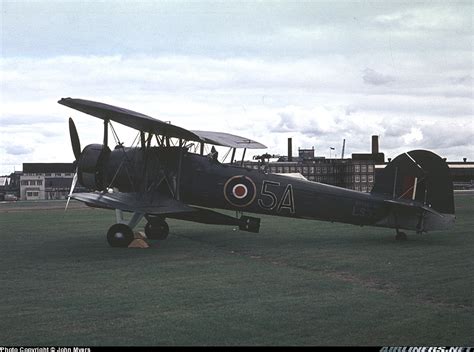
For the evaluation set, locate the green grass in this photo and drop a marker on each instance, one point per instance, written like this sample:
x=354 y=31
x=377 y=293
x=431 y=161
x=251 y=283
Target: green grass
x=296 y=283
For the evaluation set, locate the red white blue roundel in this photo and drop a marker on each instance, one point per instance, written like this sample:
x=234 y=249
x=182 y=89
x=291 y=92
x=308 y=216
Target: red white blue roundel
x=239 y=191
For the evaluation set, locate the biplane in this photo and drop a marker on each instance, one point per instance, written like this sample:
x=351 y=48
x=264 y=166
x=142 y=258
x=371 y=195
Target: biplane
x=167 y=175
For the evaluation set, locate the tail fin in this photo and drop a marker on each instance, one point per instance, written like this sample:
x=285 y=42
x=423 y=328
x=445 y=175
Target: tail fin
x=418 y=187
x=418 y=175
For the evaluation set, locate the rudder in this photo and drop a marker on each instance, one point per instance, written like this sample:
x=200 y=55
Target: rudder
x=418 y=175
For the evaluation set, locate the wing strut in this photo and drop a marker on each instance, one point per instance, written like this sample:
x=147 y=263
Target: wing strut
x=180 y=167
x=106 y=130
x=243 y=156
x=233 y=155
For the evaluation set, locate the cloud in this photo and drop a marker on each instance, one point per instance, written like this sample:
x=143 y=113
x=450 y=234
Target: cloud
x=376 y=78
x=22 y=120
x=17 y=150
x=308 y=99
x=425 y=18
x=467 y=80
x=318 y=72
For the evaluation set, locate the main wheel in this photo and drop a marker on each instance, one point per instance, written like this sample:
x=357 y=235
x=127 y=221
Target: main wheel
x=119 y=235
x=157 y=230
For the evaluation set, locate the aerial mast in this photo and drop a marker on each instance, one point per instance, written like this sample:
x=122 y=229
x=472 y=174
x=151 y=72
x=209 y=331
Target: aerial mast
x=343 y=148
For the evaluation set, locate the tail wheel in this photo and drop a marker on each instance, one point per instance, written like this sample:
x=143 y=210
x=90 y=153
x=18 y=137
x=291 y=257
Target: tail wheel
x=401 y=236
x=119 y=235
x=157 y=230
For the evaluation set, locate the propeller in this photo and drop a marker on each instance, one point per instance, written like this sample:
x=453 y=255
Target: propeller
x=76 y=149
x=73 y=185
x=76 y=144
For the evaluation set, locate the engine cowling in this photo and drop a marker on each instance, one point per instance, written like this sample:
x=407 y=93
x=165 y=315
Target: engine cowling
x=91 y=166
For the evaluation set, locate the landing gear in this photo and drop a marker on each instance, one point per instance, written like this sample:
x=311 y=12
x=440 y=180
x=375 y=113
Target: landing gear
x=119 y=235
x=156 y=229
x=401 y=236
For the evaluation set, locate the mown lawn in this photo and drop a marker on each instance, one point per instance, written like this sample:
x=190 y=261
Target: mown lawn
x=297 y=282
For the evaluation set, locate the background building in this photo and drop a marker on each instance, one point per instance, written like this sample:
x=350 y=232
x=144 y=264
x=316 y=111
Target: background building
x=358 y=173
x=46 y=180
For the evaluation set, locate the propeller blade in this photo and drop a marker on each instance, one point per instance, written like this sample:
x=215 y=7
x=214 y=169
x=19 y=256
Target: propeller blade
x=73 y=185
x=76 y=144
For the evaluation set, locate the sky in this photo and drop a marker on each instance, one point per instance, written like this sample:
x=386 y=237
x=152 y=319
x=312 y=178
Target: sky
x=316 y=71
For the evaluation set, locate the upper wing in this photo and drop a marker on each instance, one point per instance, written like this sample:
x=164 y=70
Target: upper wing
x=145 y=203
x=129 y=118
x=228 y=140
x=149 y=124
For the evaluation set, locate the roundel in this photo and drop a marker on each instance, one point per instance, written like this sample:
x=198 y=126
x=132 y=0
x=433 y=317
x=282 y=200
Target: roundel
x=239 y=191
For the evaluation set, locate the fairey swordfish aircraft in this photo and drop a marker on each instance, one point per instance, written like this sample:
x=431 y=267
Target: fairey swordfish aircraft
x=173 y=178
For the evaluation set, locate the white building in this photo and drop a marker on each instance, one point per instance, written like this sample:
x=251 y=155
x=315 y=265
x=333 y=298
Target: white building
x=45 y=180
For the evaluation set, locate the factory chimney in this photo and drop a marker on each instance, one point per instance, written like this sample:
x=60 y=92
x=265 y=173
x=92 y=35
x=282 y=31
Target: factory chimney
x=375 y=145
x=290 y=150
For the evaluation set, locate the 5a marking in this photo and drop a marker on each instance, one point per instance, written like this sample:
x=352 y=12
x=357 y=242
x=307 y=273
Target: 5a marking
x=271 y=202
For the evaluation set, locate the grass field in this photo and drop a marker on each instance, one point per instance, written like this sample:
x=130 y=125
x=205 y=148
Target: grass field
x=296 y=283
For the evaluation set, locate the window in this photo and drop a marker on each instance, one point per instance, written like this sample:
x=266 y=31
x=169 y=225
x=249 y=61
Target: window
x=371 y=178
x=318 y=170
x=32 y=182
x=39 y=182
x=311 y=169
x=364 y=188
x=67 y=174
x=48 y=174
x=287 y=169
x=305 y=170
x=370 y=168
x=356 y=168
x=24 y=183
x=363 y=168
x=363 y=178
x=357 y=178
x=57 y=174
x=324 y=170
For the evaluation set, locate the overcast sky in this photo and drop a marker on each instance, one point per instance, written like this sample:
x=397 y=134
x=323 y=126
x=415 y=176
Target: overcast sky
x=315 y=71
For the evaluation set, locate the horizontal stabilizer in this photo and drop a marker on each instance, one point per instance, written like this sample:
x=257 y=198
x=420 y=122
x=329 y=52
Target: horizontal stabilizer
x=145 y=203
x=412 y=204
